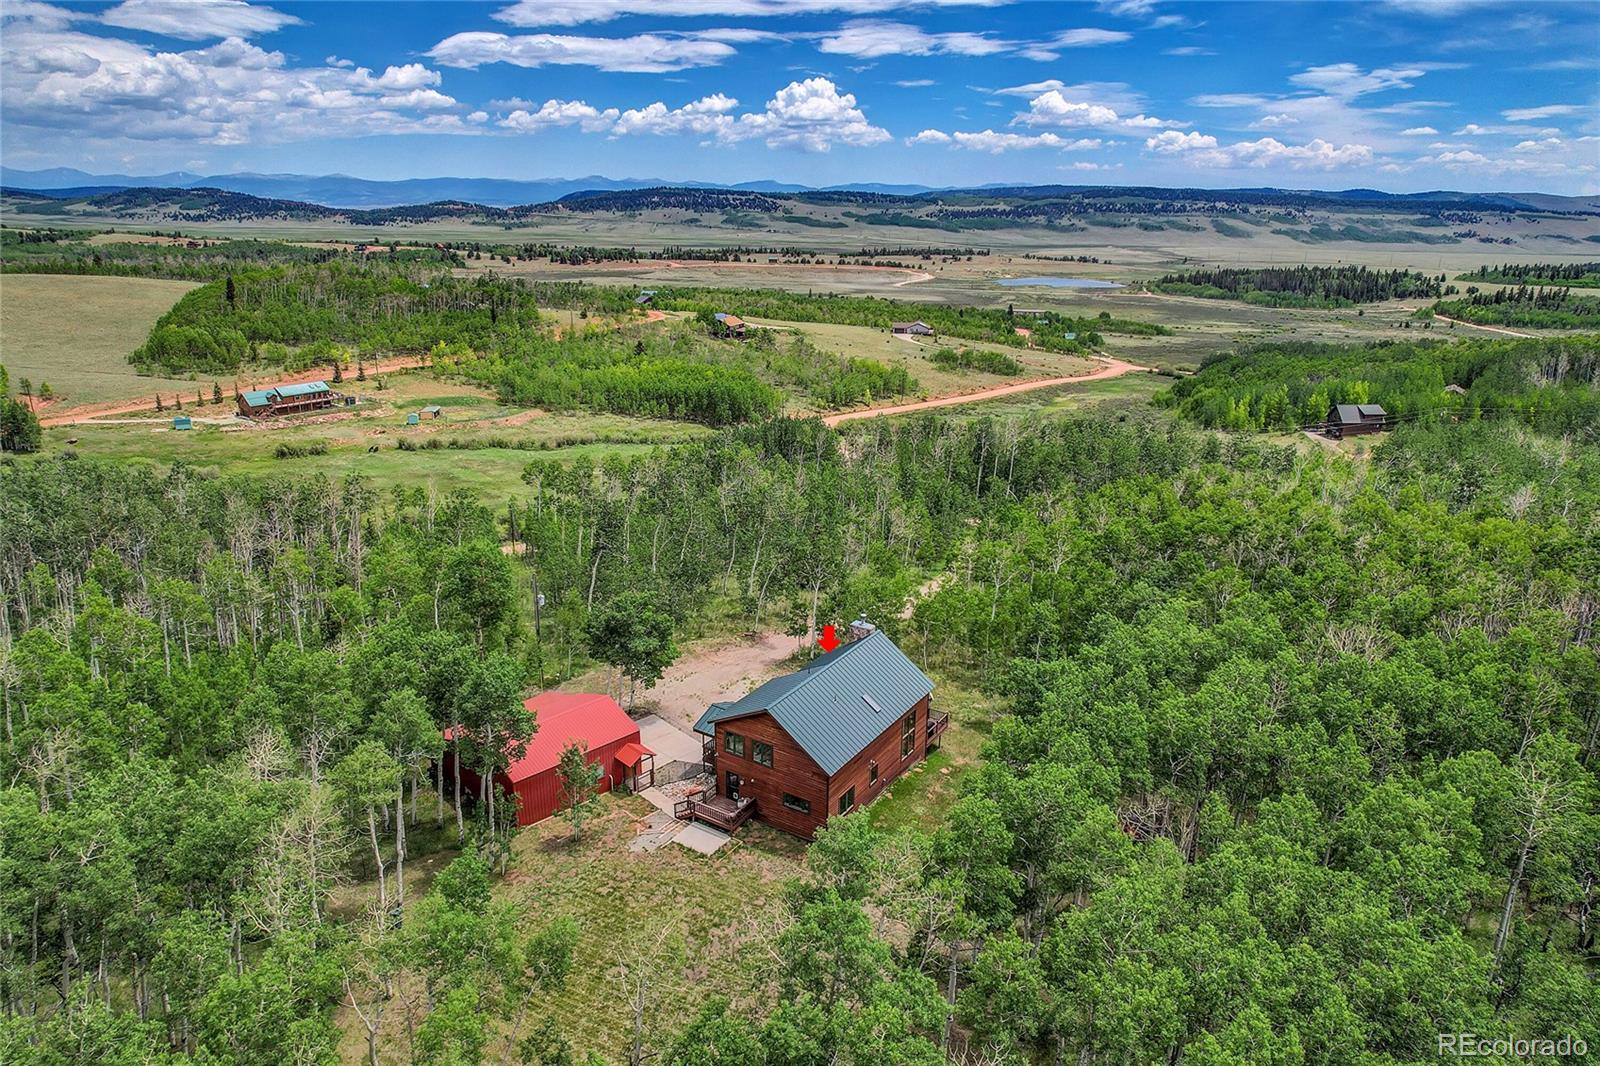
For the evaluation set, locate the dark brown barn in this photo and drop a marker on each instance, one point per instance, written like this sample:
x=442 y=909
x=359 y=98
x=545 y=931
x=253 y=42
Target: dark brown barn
x=1353 y=419
x=821 y=741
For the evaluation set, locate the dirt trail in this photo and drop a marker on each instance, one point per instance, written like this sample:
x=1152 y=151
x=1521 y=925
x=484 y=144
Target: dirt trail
x=724 y=670
x=1478 y=325
x=1113 y=368
x=89 y=412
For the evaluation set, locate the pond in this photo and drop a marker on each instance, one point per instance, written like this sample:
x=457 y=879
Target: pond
x=1061 y=283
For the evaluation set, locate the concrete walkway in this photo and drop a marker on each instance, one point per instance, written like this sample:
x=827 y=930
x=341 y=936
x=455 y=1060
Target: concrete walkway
x=662 y=827
x=670 y=743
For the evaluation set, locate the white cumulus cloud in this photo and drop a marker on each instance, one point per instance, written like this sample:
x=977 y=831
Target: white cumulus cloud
x=1204 y=150
x=197 y=20
x=645 y=53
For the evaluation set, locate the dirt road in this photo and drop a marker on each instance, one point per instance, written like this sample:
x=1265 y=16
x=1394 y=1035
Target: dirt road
x=724 y=670
x=1113 y=368
x=1479 y=325
x=68 y=416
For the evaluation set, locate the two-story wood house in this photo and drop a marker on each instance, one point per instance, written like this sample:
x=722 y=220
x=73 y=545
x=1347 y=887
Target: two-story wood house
x=821 y=741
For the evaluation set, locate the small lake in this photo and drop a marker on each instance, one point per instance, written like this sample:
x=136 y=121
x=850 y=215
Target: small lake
x=1061 y=283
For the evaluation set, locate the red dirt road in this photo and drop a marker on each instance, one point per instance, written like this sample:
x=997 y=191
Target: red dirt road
x=1113 y=368
x=89 y=412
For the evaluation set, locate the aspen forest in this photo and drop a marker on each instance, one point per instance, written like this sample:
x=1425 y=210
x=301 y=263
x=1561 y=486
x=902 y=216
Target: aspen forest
x=1297 y=755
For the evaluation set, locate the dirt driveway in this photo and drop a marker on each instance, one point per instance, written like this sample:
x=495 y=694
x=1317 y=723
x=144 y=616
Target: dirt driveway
x=721 y=670
x=1110 y=368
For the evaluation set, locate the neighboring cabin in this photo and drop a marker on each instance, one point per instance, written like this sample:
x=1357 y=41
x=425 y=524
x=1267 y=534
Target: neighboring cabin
x=285 y=400
x=609 y=737
x=823 y=740
x=912 y=329
x=1354 y=419
x=730 y=325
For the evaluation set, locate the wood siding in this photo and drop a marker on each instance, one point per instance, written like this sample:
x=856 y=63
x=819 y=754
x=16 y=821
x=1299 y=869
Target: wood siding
x=886 y=752
x=794 y=772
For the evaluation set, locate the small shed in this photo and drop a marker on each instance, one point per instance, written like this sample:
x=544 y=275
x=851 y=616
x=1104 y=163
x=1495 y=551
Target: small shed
x=1455 y=390
x=912 y=329
x=645 y=296
x=1354 y=419
x=433 y=410
x=183 y=422
x=413 y=419
x=595 y=722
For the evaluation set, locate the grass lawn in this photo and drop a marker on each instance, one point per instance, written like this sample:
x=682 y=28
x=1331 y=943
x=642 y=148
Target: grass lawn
x=920 y=798
x=76 y=332
x=712 y=907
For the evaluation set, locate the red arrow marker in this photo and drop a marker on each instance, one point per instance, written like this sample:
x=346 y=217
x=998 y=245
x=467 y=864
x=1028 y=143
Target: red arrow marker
x=828 y=641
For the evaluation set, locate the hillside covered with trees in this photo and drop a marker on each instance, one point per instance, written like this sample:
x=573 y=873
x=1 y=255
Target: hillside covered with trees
x=1302 y=286
x=1296 y=756
x=1525 y=305
x=1571 y=275
x=1554 y=384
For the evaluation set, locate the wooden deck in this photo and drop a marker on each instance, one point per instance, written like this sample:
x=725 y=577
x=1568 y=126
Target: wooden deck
x=936 y=727
x=719 y=811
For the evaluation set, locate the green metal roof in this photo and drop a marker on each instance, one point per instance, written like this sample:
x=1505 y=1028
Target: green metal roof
x=258 y=397
x=838 y=703
x=310 y=388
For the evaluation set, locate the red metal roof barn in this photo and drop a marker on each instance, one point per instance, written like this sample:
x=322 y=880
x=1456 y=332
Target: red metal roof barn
x=609 y=736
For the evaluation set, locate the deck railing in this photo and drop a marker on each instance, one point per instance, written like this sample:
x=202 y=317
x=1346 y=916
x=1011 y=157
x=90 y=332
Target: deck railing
x=719 y=811
x=936 y=727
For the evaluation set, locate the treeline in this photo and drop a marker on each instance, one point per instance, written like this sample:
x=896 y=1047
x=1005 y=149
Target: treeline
x=1575 y=275
x=1555 y=384
x=1538 y=308
x=208 y=260
x=1302 y=286
x=994 y=324
x=373 y=308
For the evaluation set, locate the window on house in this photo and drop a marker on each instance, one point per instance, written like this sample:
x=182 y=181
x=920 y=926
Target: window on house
x=762 y=753
x=908 y=733
x=795 y=803
x=733 y=744
x=847 y=800
x=872 y=772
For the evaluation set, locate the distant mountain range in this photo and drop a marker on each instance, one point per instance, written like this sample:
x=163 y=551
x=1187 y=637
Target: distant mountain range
x=769 y=206
x=341 y=190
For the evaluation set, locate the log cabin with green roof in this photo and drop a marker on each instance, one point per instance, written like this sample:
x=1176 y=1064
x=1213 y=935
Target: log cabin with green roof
x=821 y=741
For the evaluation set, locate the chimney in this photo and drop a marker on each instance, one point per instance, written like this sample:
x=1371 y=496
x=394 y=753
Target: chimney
x=861 y=628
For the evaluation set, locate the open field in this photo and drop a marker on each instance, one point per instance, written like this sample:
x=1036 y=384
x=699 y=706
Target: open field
x=76 y=332
x=913 y=353
x=1155 y=241
x=364 y=440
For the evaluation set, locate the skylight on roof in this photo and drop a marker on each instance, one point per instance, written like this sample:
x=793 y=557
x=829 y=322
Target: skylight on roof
x=872 y=703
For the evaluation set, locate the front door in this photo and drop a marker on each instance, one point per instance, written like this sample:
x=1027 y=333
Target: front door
x=732 y=785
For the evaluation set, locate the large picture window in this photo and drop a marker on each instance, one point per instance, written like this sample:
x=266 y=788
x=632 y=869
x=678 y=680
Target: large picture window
x=908 y=733
x=848 y=800
x=761 y=753
x=733 y=744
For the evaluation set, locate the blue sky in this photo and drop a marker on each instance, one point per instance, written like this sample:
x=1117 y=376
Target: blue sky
x=1402 y=95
